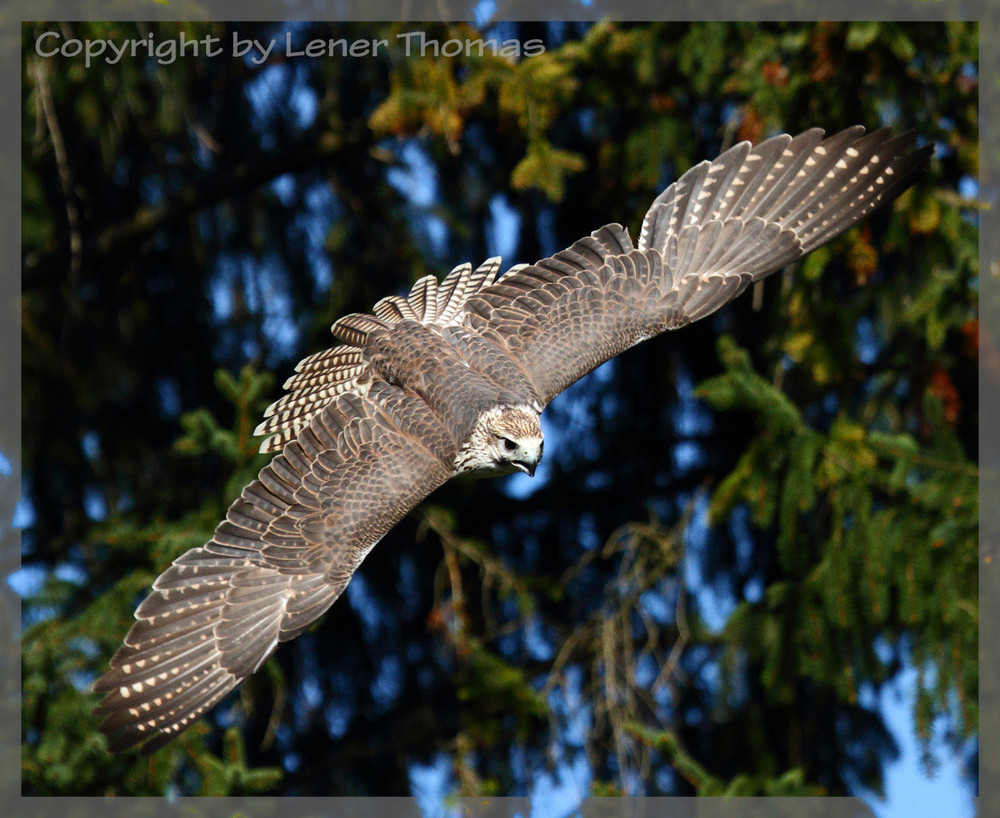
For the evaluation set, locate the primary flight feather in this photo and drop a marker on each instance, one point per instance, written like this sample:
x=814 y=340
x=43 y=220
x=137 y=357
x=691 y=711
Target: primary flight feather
x=452 y=380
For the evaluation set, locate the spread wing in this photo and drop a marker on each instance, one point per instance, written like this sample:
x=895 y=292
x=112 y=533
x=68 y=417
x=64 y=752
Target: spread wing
x=284 y=553
x=719 y=227
x=357 y=453
x=343 y=368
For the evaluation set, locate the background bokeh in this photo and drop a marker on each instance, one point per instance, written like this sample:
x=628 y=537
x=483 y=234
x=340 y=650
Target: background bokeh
x=744 y=533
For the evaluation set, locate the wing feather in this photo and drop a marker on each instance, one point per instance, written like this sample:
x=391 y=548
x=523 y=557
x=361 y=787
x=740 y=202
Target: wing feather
x=282 y=556
x=356 y=453
x=344 y=370
x=705 y=238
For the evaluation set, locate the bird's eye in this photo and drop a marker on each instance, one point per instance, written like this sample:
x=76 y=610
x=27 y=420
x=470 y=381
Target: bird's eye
x=508 y=444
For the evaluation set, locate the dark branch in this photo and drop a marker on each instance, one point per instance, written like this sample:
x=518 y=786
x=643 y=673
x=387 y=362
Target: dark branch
x=248 y=175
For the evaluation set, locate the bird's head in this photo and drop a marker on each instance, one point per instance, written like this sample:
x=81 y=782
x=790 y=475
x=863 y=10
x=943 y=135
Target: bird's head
x=506 y=439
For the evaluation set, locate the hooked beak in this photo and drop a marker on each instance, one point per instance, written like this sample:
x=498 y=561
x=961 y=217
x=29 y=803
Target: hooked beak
x=527 y=466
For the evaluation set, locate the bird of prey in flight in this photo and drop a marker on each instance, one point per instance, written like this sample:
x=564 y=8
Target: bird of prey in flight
x=452 y=380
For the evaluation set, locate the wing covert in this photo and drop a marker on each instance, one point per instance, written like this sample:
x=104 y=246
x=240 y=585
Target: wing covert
x=285 y=552
x=722 y=225
x=343 y=369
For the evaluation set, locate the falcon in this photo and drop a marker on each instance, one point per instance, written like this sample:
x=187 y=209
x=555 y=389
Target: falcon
x=451 y=380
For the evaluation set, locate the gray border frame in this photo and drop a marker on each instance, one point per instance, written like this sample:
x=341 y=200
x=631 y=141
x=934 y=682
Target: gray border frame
x=16 y=12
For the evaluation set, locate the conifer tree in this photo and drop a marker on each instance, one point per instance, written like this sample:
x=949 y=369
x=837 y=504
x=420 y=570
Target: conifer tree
x=742 y=531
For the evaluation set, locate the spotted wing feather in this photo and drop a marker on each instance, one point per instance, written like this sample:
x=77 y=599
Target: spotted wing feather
x=344 y=369
x=286 y=550
x=719 y=227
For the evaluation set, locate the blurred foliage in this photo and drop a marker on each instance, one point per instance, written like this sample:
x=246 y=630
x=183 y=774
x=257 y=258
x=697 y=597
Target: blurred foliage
x=733 y=545
x=790 y=783
x=58 y=661
x=876 y=535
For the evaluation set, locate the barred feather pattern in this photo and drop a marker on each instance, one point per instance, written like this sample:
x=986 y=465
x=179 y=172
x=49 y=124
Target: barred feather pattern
x=722 y=225
x=286 y=550
x=372 y=426
x=343 y=369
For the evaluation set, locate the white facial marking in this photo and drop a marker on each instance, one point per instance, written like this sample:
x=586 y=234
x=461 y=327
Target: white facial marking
x=505 y=439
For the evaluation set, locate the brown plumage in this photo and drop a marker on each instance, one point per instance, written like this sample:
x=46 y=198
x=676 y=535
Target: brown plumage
x=452 y=380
